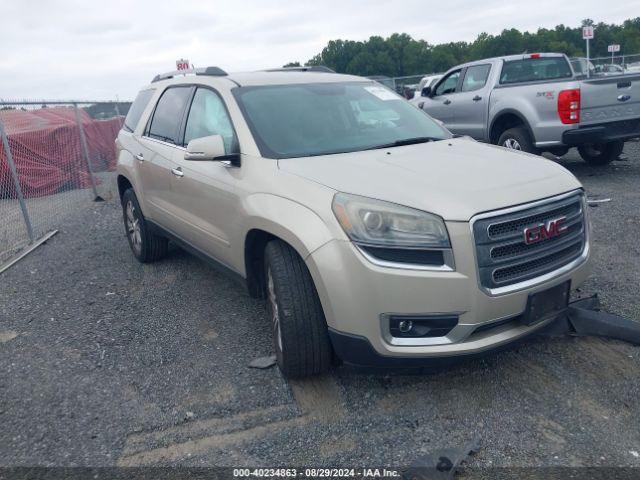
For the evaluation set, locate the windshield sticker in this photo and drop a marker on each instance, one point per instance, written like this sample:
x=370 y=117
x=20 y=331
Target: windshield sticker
x=382 y=93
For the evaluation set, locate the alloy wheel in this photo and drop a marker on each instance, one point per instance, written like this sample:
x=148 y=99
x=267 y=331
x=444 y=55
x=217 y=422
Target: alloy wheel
x=512 y=143
x=133 y=226
x=275 y=313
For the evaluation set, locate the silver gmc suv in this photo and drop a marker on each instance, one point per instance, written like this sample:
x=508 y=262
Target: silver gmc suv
x=374 y=235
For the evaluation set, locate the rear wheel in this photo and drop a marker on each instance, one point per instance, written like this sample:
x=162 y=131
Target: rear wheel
x=559 y=151
x=517 y=139
x=601 y=153
x=145 y=245
x=301 y=339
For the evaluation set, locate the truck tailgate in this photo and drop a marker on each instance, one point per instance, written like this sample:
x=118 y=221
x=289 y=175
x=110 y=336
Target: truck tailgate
x=609 y=99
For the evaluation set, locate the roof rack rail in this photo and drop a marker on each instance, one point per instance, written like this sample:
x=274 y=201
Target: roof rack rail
x=211 y=71
x=309 y=68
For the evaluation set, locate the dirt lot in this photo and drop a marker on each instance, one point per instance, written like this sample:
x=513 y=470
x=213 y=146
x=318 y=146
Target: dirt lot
x=104 y=361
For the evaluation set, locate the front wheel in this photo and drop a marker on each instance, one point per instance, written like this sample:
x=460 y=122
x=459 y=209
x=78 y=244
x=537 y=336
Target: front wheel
x=517 y=139
x=598 y=154
x=145 y=245
x=300 y=333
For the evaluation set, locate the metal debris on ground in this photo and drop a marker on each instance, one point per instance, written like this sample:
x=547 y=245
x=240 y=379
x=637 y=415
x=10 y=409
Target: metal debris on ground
x=441 y=464
x=584 y=317
x=263 y=362
x=592 y=201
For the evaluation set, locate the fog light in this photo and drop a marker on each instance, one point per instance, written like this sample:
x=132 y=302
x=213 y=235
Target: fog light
x=421 y=326
x=405 y=326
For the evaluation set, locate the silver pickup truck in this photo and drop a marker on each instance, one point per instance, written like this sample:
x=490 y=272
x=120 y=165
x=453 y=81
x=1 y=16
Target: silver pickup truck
x=536 y=103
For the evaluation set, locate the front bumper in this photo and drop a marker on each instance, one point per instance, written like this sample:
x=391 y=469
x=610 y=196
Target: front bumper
x=607 y=132
x=357 y=295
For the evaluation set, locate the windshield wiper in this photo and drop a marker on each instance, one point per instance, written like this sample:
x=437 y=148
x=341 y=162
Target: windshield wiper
x=405 y=141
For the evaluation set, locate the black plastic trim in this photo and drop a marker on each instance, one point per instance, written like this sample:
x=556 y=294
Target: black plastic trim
x=406 y=255
x=185 y=245
x=357 y=351
x=437 y=325
x=608 y=132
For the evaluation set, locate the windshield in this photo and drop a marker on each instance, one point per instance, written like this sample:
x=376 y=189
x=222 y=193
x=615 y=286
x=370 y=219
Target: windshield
x=302 y=120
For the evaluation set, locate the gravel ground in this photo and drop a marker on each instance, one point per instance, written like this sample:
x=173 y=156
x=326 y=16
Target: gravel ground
x=104 y=361
x=45 y=213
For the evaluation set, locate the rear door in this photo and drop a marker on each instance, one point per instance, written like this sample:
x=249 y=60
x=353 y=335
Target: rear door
x=610 y=99
x=441 y=103
x=472 y=103
x=159 y=146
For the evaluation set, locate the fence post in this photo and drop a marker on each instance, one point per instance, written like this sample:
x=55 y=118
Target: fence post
x=16 y=182
x=85 y=152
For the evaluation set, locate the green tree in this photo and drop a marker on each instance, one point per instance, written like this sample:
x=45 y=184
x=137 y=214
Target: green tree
x=400 y=54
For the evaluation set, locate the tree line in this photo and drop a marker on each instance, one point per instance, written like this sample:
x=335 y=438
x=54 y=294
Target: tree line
x=400 y=54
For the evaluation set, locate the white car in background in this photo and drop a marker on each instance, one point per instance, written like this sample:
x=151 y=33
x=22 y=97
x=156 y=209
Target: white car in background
x=427 y=81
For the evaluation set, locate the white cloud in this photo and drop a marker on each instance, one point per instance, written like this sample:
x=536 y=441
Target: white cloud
x=83 y=49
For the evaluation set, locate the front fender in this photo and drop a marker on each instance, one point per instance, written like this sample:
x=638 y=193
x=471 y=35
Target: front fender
x=288 y=220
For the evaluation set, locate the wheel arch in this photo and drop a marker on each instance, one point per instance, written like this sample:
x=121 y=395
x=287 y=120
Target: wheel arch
x=123 y=185
x=278 y=218
x=506 y=119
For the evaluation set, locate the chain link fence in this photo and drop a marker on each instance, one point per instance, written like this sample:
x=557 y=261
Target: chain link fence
x=611 y=65
x=55 y=158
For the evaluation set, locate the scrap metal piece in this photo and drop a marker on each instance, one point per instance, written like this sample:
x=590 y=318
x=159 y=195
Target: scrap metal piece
x=595 y=201
x=263 y=362
x=441 y=464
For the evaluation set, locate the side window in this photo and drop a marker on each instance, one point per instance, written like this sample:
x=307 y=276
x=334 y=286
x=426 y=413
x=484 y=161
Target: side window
x=136 y=109
x=208 y=116
x=168 y=114
x=448 y=85
x=475 y=78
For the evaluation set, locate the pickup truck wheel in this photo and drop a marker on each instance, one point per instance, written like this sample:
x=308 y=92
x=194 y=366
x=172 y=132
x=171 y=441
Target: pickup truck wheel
x=602 y=153
x=146 y=246
x=300 y=332
x=517 y=139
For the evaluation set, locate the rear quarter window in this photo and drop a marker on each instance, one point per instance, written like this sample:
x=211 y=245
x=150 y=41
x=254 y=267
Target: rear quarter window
x=136 y=110
x=535 y=70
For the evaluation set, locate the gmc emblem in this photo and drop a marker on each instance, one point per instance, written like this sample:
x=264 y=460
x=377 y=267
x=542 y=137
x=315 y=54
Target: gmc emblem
x=543 y=231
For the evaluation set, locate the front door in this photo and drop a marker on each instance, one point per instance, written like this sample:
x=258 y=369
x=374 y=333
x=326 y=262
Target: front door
x=441 y=101
x=207 y=192
x=472 y=103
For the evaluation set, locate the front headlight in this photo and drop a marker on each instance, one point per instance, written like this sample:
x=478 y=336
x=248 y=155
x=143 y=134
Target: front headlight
x=373 y=222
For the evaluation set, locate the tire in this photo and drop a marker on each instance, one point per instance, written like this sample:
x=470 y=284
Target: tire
x=602 y=153
x=559 y=152
x=300 y=335
x=146 y=246
x=517 y=139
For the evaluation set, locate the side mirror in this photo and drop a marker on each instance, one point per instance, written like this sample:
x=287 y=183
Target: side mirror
x=426 y=92
x=206 y=148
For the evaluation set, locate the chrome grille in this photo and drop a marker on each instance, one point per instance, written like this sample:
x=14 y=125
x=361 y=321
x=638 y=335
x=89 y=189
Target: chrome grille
x=502 y=254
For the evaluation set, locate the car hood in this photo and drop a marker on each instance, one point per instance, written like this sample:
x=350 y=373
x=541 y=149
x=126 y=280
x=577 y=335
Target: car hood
x=455 y=179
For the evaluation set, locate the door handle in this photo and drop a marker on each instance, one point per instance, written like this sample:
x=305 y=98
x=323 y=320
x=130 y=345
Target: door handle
x=140 y=157
x=177 y=172
x=447 y=102
x=477 y=98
